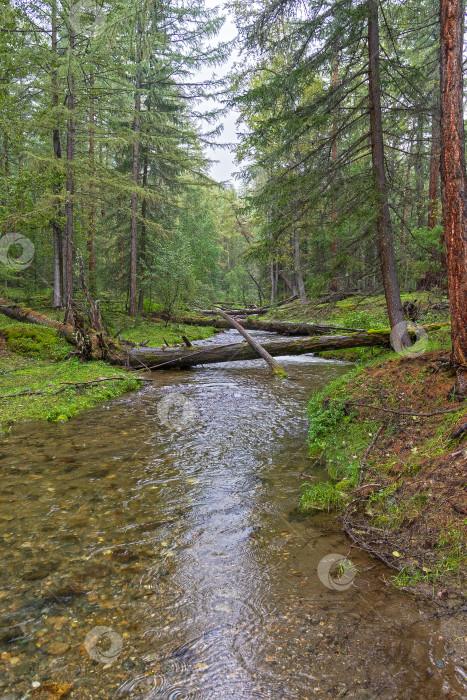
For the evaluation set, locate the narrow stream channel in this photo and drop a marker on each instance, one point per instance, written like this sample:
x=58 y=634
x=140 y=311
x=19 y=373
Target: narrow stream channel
x=151 y=552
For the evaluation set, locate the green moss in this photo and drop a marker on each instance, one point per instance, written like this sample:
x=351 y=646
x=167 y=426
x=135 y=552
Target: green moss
x=322 y=496
x=35 y=341
x=18 y=374
x=154 y=334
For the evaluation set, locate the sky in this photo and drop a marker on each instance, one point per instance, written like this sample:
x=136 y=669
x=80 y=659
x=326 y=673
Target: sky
x=224 y=169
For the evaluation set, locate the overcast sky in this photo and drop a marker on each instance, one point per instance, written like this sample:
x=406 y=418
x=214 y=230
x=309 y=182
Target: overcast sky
x=225 y=168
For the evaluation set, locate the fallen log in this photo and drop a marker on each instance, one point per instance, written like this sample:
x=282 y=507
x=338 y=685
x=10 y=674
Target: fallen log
x=165 y=358
x=168 y=357
x=249 y=310
x=236 y=312
x=20 y=313
x=99 y=346
x=275 y=366
x=281 y=327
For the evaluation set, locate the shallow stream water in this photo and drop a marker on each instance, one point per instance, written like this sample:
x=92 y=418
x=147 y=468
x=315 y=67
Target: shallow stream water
x=150 y=550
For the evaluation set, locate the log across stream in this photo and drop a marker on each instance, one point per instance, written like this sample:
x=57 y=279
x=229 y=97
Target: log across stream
x=182 y=357
x=160 y=358
x=105 y=347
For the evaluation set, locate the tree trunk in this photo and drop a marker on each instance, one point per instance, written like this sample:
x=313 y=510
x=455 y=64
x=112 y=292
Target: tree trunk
x=334 y=286
x=297 y=267
x=167 y=358
x=275 y=366
x=98 y=346
x=405 y=212
x=282 y=327
x=419 y=173
x=386 y=247
x=56 y=229
x=91 y=244
x=134 y=195
x=69 y=205
x=454 y=181
x=143 y=236
x=434 y=170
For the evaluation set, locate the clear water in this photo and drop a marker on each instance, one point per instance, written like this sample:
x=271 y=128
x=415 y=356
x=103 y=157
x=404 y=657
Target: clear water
x=165 y=517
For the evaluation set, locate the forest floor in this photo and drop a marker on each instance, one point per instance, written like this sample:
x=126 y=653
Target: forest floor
x=37 y=359
x=411 y=509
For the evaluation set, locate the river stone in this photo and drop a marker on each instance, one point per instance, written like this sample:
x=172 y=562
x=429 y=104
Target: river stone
x=40 y=571
x=57 y=648
x=52 y=691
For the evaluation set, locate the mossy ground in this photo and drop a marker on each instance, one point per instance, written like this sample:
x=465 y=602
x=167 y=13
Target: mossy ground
x=360 y=311
x=38 y=359
x=413 y=510
x=154 y=333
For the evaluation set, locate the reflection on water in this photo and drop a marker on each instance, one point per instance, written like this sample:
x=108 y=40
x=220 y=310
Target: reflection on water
x=149 y=552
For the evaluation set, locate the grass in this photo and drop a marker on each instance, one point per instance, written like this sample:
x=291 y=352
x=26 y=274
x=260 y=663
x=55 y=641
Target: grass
x=154 y=334
x=38 y=359
x=325 y=496
x=32 y=374
x=35 y=358
x=414 y=513
x=361 y=311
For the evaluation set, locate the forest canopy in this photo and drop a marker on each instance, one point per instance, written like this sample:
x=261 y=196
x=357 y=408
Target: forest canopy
x=105 y=135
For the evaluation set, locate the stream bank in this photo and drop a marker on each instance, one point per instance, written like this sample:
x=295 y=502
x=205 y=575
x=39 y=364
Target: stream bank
x=38 y=359
x=394 y=444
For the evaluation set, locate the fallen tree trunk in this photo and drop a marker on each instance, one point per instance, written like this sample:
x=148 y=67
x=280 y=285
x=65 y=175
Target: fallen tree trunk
x=275 y=366
x=164 y=358
x=248 y=311
x=281 y=327
x=20 y=313
x=167 y=357
x=97 y=345
x=236 y=312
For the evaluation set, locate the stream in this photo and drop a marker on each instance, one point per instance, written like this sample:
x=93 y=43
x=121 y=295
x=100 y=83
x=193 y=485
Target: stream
x=151 y=550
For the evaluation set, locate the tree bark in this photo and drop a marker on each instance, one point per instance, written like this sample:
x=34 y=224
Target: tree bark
x=167 y=358
x=134 y=195
x=385 y=241
x=454 y=181
x=99 y=347
x=334 y=286
x=143 y=236
x=297 y=266
x=281 y=327
x=69 y=205
x=275 y=366
x=56 y=229
x=91 y=242
x=434 y=170
x=419 y=157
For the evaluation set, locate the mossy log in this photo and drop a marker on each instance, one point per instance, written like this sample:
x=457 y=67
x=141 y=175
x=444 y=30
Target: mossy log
x=95 y=345
x=165 y=358
x=105 y=347
x=281 y=327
